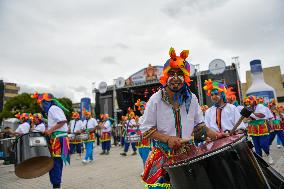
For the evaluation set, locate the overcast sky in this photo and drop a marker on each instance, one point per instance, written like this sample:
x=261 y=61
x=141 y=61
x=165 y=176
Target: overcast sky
x=63 y=46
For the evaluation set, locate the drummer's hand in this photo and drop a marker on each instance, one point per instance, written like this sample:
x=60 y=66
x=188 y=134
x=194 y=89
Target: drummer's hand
x=48 y=132
x=222 y=135
x=174 y=142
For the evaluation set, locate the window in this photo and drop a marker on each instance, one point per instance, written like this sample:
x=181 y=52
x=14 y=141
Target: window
x=280 y=99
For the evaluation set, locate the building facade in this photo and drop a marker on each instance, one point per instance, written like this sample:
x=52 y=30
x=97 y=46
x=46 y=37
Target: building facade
x=7 y=90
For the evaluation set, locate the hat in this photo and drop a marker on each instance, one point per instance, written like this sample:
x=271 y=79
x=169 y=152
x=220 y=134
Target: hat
x=140 y=104
x=214 y=85
x=75 y=115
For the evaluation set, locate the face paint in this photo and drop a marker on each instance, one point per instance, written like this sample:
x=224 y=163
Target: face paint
x=176 y=80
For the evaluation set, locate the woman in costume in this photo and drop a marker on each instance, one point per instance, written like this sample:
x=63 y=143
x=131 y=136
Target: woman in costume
x=38 y=123
x=57 y=132
x=106 y=134
x=76 y=125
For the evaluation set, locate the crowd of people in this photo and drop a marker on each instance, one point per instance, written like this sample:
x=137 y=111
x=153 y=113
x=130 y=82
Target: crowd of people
x=172 y=116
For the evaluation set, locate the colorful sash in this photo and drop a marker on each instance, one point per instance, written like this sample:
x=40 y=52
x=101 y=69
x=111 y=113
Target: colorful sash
x=59 y=146
x=258 y=128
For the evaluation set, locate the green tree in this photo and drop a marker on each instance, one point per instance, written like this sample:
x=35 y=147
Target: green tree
x=67 y=103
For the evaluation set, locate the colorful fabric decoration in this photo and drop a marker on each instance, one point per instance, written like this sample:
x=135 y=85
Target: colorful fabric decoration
x=130 y=113
x=86 y=113
x=231 y=94
x=250 y=100
x=176 y=62
x=24 y=116
x=213 y=87
x=140 y=104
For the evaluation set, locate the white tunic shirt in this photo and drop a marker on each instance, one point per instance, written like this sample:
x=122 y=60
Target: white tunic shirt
x=23 y=128
x=90 y=123
x=260 y=109
x=106 y=126
x=55 y=115
x=76 y=128
x=229 y=117
x=39 y=128
x=159 y=115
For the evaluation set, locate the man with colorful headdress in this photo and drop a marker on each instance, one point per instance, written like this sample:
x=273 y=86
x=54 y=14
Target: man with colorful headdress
x=277 y=118
x=105 y=126
x=24 y=127
x=38 y=121
x=76 y=125
x=130 y=129
x=258 y=128
x=57 y=131
x=143 y=146
x=89 y=126
x=222 y=116
x=171 y=116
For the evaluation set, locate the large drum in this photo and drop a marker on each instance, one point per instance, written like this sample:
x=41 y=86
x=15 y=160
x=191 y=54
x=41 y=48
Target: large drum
x=224 y=163
x=33 y=158
x=133 y=138
x=6 y=148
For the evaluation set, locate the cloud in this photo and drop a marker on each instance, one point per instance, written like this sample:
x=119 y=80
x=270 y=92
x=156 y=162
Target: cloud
x=122 y=46
x=109 y=60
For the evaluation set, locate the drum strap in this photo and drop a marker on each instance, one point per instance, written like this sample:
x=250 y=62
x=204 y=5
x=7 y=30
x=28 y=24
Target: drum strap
x=74 y=125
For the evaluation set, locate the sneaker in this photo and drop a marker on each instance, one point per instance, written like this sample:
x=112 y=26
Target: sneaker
x=123 y=154
x=134 y=153
x=270 y=160
x=107 y=153
x=91 y=161
x=102 y=153
x=278 y=146
x=85 y=161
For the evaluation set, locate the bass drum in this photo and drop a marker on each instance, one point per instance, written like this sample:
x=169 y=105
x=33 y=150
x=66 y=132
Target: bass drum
x=224 y=163
x=33 y=158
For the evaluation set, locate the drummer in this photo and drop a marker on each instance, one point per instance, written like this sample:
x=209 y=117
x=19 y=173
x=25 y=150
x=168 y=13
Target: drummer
x=258 y=128
x=57 y=131
x=38 y=123
x=24 y=127
x=89 y=126
x=76 y=125
x=105 y=126
x=222 y=116
x=171 y=115
x=130 y=129
x=144 y=146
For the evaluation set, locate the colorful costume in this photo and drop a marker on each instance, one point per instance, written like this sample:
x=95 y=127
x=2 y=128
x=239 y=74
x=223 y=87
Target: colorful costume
x=89 y=126
x=76 y=125
x=277 y=122
x=59 y=142
x=106 y=134
x=144 y=147
x=258 y=128
x=221 y=118
x=160 y=116
x=25 y=126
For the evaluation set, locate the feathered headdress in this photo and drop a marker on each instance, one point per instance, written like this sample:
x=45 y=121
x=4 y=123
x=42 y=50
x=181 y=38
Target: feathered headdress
x=130 y=113
x=140 y=104
x=214 y=85
x=176 y=62
x=49 y=98
x=86 y=113
x=250 y=100
x=38 y=116
x=230 y=94
x=24 y=116
x=75 y=115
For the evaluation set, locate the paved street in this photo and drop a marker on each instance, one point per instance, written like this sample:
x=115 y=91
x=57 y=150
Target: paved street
x=107 y=172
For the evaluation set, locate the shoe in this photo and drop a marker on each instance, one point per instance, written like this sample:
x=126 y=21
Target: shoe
x=270 y=160
x=123 y=154
x=134 y=153
x=102 y=153
x=107 y=153
x=91 y=161
x=278 y=146
x=85 y=161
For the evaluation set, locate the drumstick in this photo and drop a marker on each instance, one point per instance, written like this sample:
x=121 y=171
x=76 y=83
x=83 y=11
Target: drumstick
x=245 y=113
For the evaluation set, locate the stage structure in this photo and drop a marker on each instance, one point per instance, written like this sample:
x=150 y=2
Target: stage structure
x=144 y=83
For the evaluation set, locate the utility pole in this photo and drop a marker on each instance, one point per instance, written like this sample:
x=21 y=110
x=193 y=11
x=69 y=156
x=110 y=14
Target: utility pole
x=235 y=60
x=199 y=84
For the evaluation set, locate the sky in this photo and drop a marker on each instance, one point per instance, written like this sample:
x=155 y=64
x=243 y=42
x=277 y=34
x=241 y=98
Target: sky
x=67 y=47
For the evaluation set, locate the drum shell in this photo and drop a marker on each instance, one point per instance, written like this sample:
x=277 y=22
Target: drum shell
x=6 y=148
x=31 y=161
x=234 y=168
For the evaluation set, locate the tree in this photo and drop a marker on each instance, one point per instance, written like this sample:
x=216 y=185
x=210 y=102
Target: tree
x=67 y=103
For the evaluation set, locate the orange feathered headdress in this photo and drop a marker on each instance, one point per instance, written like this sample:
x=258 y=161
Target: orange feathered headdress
x=214 y=85
x=75 y=115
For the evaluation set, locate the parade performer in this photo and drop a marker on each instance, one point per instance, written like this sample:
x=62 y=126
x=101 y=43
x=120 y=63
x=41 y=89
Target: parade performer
x=171 y=115
x=24 y=127
x=76 y=125
x=106 y=134
x=130 y=129
x=38 y=121
x=278 y=117
x=143 y=146
x=222 y=116
x=204 y=108
x=57 y=131
x=89 y=127
x=258 y=128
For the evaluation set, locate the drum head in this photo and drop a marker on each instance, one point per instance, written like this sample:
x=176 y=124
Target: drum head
x=34 y=167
